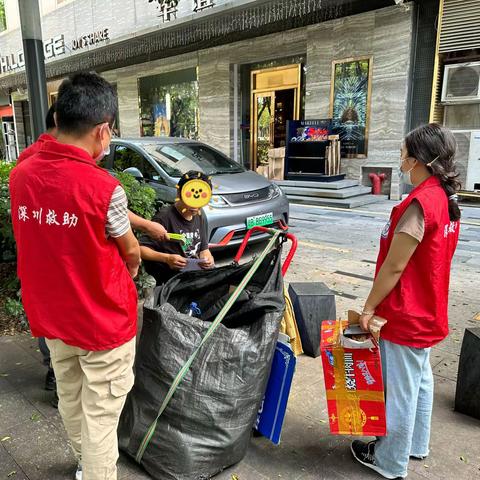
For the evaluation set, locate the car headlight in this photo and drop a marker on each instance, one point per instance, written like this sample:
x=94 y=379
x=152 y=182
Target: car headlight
x=217 y=201
x=274 y=191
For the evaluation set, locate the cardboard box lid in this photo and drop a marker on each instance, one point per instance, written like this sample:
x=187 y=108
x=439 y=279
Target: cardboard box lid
x=340 y=333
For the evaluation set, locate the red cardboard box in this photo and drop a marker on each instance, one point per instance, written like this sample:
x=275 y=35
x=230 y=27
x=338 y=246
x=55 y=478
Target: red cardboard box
x=353 y=381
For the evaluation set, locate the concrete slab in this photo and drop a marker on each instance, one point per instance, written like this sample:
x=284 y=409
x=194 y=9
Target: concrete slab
x=447 y=365
x=30 y=381
x=13 y=356
x=455 y=439
x=331 y=240
x=327 y=193
x=241 y=471
x=41 y=450
x=15 y=409
x=327 y=185
x=5 y=386
x=30 y=345
x=354 y=202
x=9 y=468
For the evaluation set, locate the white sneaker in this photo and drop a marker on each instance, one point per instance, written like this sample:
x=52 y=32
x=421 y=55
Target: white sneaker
x=78 y=473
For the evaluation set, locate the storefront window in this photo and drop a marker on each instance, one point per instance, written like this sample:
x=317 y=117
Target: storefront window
x=169 y=104
x=3 y=19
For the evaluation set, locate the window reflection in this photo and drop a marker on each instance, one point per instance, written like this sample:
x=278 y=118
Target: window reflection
x=169 y=104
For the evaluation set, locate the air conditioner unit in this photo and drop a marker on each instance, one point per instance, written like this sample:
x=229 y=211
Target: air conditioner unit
x=468 y=158
x=461 y=83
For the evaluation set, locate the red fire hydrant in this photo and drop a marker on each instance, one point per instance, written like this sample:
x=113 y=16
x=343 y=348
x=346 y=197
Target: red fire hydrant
x=377 y=179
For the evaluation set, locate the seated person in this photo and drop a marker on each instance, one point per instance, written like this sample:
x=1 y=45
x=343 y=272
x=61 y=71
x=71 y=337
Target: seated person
x=163 y=259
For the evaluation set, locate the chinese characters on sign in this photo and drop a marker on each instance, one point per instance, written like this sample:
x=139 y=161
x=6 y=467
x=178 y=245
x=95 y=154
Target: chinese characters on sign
x=200 y=5
x=169 y=8
x=69 y=219
x=58 y=46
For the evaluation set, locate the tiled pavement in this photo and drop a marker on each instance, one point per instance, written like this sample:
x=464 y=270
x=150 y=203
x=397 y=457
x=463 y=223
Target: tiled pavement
x=333 y=246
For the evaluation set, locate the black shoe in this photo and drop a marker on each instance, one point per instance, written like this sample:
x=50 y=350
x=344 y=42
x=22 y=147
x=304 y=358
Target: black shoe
x=50 y=382
x=365 y=454
x=54 y=402
x=418 y=457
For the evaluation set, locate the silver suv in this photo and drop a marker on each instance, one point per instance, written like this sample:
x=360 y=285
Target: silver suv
x=241 y=198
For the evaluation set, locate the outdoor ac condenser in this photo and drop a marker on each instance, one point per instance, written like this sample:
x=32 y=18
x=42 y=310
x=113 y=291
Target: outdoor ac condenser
x=468 y=158
x=461 y=83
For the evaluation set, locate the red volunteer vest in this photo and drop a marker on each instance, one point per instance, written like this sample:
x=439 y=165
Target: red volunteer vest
x=417 y=308
x=35 y=147
x=75 y=286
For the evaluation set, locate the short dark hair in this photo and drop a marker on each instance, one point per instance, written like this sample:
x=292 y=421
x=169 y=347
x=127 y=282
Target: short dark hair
x=193 y=174
x=85 y=100
x=49 y=119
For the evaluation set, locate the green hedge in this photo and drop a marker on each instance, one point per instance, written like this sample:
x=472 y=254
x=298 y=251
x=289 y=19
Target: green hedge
x=141 y=200
x=7 y=242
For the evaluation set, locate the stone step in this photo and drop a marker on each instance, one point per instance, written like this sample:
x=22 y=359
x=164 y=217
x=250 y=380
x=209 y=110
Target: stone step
x=353 y=202
x=327 y=193
x=324 y=185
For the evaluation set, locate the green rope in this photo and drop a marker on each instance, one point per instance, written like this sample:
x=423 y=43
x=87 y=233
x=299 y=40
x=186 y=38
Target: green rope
x=218 y=319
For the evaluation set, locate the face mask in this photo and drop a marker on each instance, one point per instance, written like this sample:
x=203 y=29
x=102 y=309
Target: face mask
x=405 y=177
x=104 y=152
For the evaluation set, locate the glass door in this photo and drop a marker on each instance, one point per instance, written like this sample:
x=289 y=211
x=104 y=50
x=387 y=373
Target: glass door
x=9 y=138
x=264 y=127
x=275 y=99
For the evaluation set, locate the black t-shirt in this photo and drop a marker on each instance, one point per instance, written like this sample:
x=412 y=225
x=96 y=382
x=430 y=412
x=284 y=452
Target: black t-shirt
x=194 y=230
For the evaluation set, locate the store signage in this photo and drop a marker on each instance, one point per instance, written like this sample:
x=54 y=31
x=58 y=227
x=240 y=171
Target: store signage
x=53 y=47
x=12 y=62
x=169 y=8
x=90 y=39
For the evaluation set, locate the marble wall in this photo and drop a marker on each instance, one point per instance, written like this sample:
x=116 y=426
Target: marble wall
x=385 y=35
x=126 y=80
x=214 y=99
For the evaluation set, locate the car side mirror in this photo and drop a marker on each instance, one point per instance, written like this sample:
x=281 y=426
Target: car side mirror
x=134 y=172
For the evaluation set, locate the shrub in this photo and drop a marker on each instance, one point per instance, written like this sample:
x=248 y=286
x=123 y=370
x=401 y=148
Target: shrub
x=141 y=197
x=7 y=242
x=141 y=200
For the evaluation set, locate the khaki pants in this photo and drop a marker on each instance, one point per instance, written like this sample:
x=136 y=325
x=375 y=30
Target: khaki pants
x=92 y=388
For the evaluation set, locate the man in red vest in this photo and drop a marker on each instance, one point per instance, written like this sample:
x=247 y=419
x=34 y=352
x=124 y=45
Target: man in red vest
x=77 y=255
x=154 y=230
x=49 y=135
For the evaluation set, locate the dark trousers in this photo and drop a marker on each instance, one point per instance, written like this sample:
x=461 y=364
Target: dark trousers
x=45 y=351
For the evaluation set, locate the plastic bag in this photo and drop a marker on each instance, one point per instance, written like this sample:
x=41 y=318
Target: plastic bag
x=208 y=422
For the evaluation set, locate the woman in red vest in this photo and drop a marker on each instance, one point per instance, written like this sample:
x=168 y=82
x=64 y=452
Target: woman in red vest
x=411 y=292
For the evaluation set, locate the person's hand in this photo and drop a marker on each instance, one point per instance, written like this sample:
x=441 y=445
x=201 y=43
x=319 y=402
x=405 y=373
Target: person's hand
x=176 y=262
x=156 y=231
x=207 y=261
x=133 y=269
x=365 y=318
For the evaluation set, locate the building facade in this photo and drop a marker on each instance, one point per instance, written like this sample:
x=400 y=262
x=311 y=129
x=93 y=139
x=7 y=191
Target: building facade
x=231 y=73
x=456 y=88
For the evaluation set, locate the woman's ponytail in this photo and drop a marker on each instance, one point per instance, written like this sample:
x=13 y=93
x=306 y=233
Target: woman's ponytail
x=435 y=146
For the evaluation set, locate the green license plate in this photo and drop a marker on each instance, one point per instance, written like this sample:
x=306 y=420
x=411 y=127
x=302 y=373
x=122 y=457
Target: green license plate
x=260 y=220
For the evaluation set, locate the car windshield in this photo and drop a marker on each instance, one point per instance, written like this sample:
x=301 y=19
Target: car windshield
x=177 y=159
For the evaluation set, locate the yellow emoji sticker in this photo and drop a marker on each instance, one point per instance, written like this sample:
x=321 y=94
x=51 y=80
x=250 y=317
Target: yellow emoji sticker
x=196 y=193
